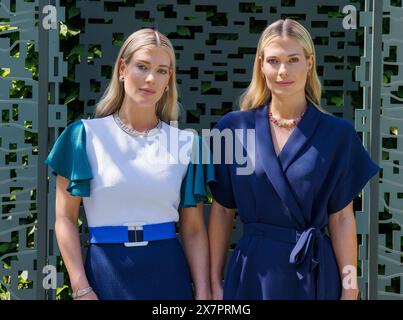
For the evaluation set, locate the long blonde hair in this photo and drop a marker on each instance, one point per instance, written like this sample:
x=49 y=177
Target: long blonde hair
x=257 y=92
x=167 y=107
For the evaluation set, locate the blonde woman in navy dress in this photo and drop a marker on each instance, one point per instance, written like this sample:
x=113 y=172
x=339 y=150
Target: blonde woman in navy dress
x=308 y=168
x=133 y=170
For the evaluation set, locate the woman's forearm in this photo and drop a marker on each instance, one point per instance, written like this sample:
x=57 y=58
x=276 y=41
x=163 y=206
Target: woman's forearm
x=195 y=245
x=344 y=240
x=219 y=233
x=69 y=244
x=196 y=249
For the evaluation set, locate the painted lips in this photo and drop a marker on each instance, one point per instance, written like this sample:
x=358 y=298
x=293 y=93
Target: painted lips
x=147 y=91
x=285 y=83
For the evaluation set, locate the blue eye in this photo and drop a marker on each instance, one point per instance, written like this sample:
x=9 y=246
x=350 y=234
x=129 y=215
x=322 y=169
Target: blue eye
x=141 y=66
x=271 y=61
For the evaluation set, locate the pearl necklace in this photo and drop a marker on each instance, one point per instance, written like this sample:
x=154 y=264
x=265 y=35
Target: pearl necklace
x=134 y=132
x=285 y=125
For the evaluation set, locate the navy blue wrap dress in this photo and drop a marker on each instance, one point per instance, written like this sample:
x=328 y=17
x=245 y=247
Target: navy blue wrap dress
x=284 y=205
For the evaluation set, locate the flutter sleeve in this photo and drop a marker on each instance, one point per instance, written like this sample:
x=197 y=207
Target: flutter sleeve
x=200 y=172
x=68 y=158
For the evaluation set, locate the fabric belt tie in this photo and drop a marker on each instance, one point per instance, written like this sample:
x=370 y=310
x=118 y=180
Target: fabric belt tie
x=132 y=234
x=305 y=254
x=308 y=251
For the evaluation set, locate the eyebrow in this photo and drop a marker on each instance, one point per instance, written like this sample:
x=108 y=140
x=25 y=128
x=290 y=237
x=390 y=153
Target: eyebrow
x=290 y=55
x=146 y=62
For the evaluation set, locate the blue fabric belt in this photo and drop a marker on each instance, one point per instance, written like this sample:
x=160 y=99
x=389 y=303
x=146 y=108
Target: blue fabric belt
x=132 y=234
x=308 y=249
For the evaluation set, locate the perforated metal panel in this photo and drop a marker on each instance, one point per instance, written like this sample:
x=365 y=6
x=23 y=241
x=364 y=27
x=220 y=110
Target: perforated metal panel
x=24 y=253
x=18 y=152
x=390 y=238
x=387 y=109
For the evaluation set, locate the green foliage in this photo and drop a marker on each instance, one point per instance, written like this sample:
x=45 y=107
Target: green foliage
x=338 y=101
x=183 y=31
x=63 y=293
x=4 y=72
x=4 y=295
x=75 y=54
x=65 y=32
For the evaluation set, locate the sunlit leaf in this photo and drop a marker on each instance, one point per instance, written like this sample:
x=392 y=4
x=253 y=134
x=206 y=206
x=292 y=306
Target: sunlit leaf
x=184 y=31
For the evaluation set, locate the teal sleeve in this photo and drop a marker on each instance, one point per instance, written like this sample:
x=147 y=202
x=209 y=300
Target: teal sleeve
x=68 y=158
x=200 y=172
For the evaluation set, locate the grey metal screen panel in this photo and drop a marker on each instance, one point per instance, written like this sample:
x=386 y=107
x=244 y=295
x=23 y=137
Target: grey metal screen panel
x=390 y=238
x=380 y=121
x=18 y=152
x=23 y=229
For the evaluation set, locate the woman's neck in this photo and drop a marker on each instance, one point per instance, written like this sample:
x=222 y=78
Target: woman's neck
x=288 y=108
x=138 y=118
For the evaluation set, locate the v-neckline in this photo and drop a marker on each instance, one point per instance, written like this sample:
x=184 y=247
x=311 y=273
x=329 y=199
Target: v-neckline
x=271 y=129
x=296 y=141
x=291 y=136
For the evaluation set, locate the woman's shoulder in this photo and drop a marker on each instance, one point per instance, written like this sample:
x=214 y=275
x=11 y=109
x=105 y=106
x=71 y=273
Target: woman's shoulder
x=96 y=122
x=80 y=129
x=337 y=125
x=236 y=119
x=173 y=126
x=75 y=128
x=74 y=124
x=172 y=129
x=100 y=127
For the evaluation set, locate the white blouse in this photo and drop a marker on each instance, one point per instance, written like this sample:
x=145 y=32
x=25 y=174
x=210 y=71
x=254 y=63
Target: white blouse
x=135 y=178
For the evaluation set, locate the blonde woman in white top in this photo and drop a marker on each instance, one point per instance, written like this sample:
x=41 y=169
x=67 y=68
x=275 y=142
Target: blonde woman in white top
x=134 y=171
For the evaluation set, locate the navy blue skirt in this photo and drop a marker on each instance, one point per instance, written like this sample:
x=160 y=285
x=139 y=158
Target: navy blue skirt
x=158 y=271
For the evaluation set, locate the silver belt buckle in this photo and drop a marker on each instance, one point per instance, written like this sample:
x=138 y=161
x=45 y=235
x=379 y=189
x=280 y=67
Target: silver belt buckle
x=135 y=226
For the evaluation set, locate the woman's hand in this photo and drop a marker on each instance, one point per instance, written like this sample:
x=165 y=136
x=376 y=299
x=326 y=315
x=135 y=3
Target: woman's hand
x=349 y=294
x=217 y=292
x=203 y=296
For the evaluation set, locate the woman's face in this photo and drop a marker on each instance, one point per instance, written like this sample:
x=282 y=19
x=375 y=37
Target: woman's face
x=146 y=75
x=285 y=67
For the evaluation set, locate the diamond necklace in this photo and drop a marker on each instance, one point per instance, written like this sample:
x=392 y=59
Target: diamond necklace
x=134 y=132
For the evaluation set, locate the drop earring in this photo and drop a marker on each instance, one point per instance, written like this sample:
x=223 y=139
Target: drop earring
x=121 y=78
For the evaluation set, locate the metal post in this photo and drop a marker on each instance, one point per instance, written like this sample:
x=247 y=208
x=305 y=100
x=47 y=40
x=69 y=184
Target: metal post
x=41 y=194
x=375 y=105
